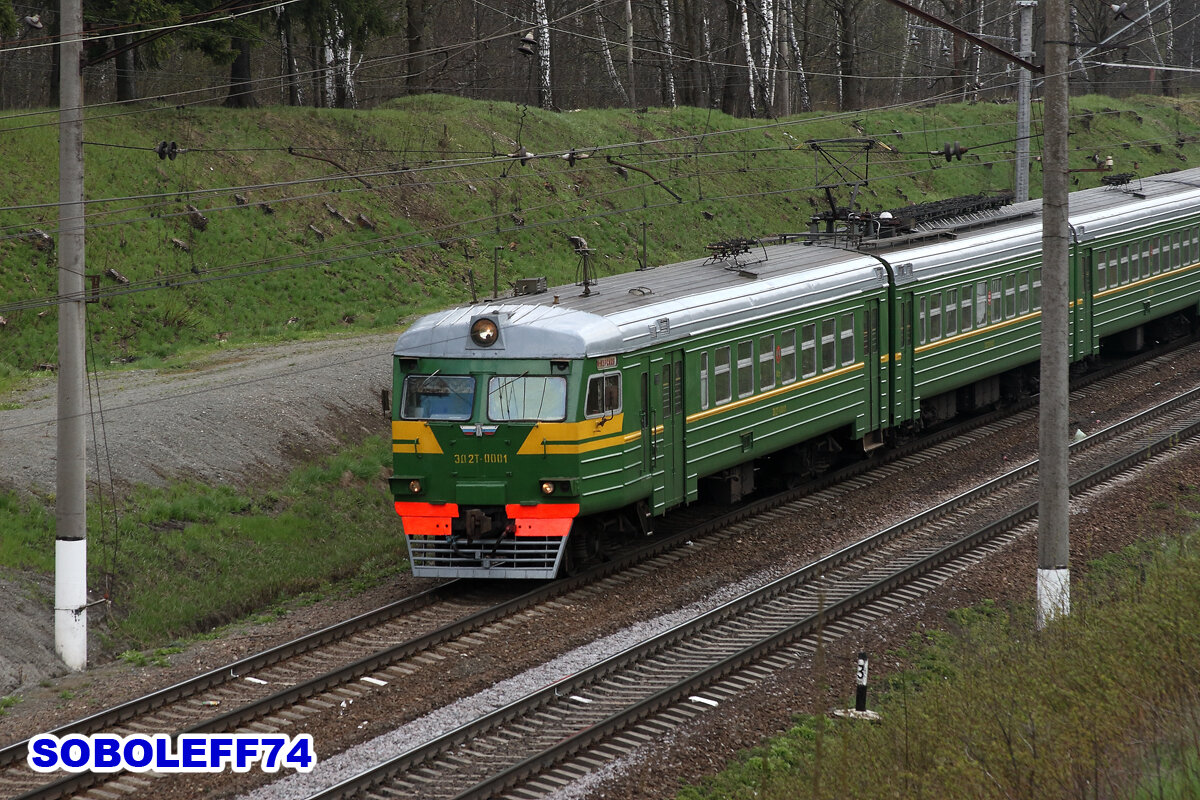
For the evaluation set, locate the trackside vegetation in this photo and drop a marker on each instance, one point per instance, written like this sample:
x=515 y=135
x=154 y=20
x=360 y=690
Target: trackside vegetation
x=310 y=223
x=292 y=222
x=1104 y=703
x=181 y=560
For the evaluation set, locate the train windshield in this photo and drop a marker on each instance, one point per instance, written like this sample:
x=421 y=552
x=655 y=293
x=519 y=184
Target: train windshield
x=438 y=397
x=525 y=398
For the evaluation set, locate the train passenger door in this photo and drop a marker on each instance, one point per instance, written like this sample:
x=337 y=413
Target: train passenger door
x=1083 y=267
x=667 y=420
x=873 y=369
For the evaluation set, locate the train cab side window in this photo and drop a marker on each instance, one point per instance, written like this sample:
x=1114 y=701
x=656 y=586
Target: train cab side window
x=745 y=369
x=828 y=344
x=808 y=350
x=1035 y=288
x=847 y=339
x=723 y=387
x=951 y=312
x=935 y=317
x=704 y=380
x=1022 y=292
x=766 y=362
x=981 y=304
x=603 y=395
x=434 y=397
x=966 y=308
x=787 y=356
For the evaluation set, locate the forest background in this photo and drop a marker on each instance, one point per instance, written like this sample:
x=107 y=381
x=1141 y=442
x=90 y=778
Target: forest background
x=747 y=58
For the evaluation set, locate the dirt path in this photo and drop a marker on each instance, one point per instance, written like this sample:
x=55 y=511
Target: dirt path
x=237 y=417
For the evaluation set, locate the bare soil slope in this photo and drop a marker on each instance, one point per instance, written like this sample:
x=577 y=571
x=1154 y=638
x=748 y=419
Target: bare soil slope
x=239 y=417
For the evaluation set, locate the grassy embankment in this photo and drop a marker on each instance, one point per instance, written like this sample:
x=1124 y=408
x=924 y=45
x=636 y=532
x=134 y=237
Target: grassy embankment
x=190 y=556
x=1103 y=704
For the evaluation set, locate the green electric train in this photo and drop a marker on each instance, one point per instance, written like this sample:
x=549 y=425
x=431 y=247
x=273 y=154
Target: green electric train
x=528 y=431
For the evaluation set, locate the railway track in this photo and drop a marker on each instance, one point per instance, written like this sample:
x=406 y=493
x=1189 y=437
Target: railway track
x=552 y=737
x=232 y=697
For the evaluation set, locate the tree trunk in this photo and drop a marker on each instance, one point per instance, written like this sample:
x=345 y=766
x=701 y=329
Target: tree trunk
x=693 y=32
x=1168 y=76
x=798 y=55
x=126 y=71
x=606 y=56
x=668 y=53
x=751 y=72
x=852 y=97
x=545 y=94
x=414 y=80
x=287 y=48
x=241 y=93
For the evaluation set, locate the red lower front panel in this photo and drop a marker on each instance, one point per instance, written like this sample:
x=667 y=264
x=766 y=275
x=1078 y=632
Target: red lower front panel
x=433 y=519
x=530 y=545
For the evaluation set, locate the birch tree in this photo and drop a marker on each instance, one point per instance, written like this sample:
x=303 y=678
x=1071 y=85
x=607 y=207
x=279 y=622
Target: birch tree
x=664 y=7
x=797 y=55
x=610 y=68
x=542 y=22
x=751 y=71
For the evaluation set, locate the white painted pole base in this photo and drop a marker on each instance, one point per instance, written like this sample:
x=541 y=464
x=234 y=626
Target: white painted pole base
x=1053 y=595
x=70 y=602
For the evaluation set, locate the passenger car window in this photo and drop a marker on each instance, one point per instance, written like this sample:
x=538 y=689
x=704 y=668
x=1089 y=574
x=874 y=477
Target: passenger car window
x=847 y=339
x=787 y=356
x=704 y=380
x=745 y=369
x=603 y=395
x=766 y=362
x=723 y=384
x=828 y=345
x=446 y=397
x=808 y=351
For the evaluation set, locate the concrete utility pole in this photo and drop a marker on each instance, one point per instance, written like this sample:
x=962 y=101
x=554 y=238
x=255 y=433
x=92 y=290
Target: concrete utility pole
x=1024 y=80
x=70 y=512
x=1054 y=574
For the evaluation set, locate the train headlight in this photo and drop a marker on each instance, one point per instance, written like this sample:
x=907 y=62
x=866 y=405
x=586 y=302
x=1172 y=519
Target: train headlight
x=484 y=332
x=547 y=487
x=414 y=486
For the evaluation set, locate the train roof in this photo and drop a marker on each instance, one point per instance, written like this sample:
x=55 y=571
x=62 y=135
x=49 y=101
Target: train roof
x=1015 y=231
x=624 y=312
x=621 y=313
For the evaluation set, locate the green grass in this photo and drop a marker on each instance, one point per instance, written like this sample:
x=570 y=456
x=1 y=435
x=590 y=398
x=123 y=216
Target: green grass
x=186 y=559
x=8 y=702
x=446 y=201
x=1103 y=703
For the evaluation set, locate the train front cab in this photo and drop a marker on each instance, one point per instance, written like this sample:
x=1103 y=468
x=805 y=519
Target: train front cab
x=494 y=461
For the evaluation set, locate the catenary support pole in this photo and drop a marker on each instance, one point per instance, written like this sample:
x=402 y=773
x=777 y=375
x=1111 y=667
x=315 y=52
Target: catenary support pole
x=1053 y=575
x=1024 y=80
x=70 y=551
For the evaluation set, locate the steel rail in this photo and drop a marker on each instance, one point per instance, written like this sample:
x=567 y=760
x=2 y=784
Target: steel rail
x=230 y=720
x=596 y=732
